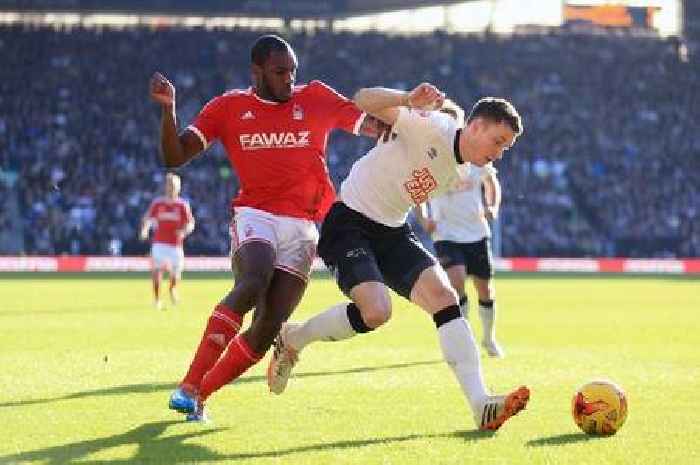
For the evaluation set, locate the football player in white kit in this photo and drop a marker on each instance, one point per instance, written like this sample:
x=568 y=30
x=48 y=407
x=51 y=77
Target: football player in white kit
x=367 y=242
x=458 y=224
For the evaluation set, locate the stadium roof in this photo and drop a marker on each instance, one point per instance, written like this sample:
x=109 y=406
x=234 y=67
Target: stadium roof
x=260 y=8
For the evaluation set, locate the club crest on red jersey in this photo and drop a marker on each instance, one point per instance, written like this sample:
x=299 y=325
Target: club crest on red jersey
x=297 y=112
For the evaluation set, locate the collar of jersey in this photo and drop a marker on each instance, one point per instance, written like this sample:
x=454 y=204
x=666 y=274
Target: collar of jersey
x=458 y=155
x=268 y=102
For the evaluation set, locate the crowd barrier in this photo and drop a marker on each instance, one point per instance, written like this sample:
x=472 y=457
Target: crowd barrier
x=582 y=265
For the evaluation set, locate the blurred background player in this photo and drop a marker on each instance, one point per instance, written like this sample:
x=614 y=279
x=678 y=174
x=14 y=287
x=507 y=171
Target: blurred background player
x=275 y=135
x=459 y=224
x=171 y=218
x=367 y=241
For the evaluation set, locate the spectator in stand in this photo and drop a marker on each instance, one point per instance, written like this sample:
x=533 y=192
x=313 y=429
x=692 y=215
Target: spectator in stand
x=610 y=115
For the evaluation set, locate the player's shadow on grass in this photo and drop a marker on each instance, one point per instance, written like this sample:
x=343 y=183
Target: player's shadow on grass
x=560 y=439
x=152 y=448
x=147 y=388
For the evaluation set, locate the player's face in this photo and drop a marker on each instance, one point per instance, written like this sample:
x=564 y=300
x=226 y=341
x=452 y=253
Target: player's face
x=489 y=141
x=275 y=79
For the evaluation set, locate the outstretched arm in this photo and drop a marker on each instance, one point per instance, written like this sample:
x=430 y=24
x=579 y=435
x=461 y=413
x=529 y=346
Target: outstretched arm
x=176 y=150
x=384 y=103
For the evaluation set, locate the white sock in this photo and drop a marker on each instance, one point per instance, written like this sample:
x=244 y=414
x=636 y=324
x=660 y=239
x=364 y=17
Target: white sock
x=462 y=355
x=330 y=325
x=488 y=320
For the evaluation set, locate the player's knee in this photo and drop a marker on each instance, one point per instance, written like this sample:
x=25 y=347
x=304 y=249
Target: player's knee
x=441 y=296
x=376 y=313
x=485 y=289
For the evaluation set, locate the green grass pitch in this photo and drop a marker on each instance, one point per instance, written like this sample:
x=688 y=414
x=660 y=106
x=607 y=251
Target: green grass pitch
x=86 y=367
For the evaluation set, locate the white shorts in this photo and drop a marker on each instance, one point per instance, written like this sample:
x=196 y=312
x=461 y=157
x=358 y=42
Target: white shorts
x=293 y=239
x=168 y=256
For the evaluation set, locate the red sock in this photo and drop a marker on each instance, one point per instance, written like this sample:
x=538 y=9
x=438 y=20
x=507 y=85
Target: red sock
x=222 y=326
x=237 y=359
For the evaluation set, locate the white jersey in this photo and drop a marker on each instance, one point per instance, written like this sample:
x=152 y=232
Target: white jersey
x=399 y=174
x=459 y=214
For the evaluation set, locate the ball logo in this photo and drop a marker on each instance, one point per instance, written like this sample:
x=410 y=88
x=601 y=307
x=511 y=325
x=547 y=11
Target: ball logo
x=274 y=140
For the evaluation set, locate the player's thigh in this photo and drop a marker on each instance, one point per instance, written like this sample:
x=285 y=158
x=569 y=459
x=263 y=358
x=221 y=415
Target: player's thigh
x=253 y=244
x=479 y=259
x=451 y=257
x=346 y=250
x=432 y=291
x=177 y=263
x=449 y=254
x=402 y=258
x=160 y=259
x=296 y=246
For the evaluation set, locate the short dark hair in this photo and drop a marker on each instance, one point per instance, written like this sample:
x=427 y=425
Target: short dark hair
x=265 y=45
x=497 y=110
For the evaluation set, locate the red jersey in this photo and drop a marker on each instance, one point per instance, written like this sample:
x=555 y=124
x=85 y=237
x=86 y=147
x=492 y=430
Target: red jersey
x=169 y=216
x=279 y=149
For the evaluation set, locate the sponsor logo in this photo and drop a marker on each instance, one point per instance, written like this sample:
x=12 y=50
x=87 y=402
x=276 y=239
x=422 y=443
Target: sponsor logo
x=421 y=184
x=248 y=115
x=355 y=253
x=274 y=140
x=168 y=216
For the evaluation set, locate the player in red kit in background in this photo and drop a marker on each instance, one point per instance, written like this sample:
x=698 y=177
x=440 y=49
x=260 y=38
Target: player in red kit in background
x=171 y=219
x=275 y=135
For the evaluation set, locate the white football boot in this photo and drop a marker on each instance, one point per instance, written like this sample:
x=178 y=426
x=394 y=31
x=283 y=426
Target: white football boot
x=497 y=409
x=284 y=357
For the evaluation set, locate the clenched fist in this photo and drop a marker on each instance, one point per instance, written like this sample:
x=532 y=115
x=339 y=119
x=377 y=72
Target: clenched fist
x=162 y=91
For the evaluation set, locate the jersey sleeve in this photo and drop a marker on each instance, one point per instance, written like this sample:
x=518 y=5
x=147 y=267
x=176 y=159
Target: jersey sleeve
x=209 y=122
x=413 y=123
x=341 y=112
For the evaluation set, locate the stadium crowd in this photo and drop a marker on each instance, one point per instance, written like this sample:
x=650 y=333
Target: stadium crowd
x=607 y=165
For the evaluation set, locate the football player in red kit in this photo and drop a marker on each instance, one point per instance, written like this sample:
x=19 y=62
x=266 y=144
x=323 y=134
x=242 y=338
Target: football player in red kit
x=171 y=218
x=275 y=135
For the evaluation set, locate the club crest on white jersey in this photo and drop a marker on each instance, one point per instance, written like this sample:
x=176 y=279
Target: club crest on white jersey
x=275 y=140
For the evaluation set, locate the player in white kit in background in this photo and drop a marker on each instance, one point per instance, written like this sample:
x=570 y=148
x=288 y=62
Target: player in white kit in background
x=459 y=225
x=367 y=242
x=171 y=218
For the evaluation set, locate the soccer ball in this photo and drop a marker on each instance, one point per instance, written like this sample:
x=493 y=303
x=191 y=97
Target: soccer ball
x=599 y=407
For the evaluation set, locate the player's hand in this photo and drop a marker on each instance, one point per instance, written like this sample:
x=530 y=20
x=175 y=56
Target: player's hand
x=491 y=213
x=426 y=97
x=429 y=225
x=180 y=235
x=162 y=91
